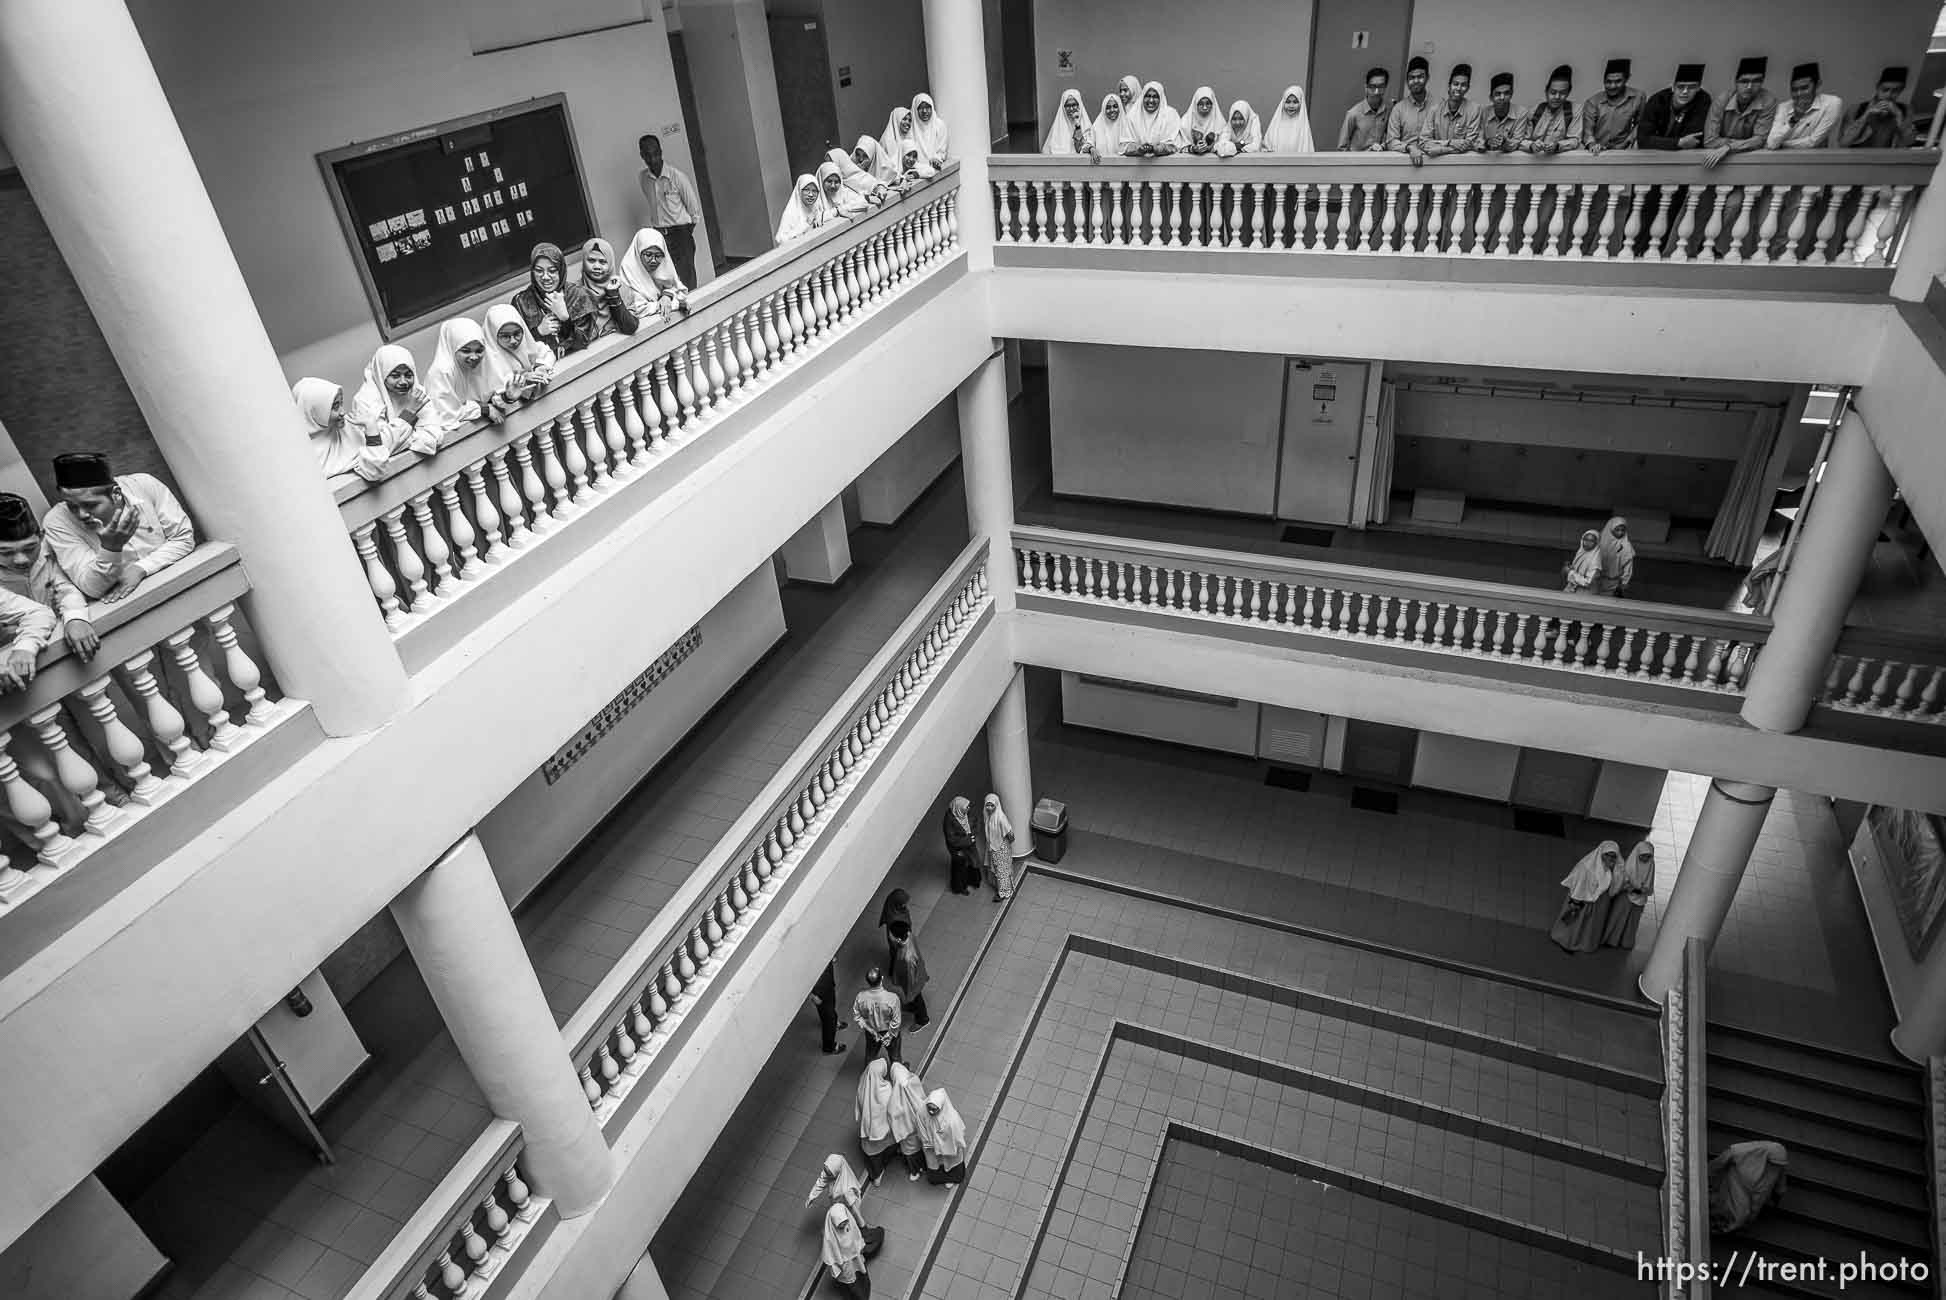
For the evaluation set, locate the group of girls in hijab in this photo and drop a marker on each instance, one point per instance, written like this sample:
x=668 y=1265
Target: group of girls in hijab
x=913 y=147
x=1606 y=896
x=1136 y=121
x=1605 y=563
x=485 y=370
x=973 y=848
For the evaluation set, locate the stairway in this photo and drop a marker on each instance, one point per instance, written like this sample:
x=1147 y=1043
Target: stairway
x=1855 y=1128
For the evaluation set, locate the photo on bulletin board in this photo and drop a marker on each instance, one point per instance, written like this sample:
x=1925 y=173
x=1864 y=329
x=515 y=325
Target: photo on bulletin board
x=438 y=216
x=1912 y=849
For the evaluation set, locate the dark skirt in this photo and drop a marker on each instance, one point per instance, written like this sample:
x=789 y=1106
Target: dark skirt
x=1623 y=920
x=1578 y=928
x=941 y=1177
x=874 y=1239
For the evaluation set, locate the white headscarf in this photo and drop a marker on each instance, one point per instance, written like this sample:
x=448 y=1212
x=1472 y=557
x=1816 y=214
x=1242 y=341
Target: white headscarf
x=844 y=1244
x=314 y=399
x=907 y=1105
x=801 y=218
x=1159 y=127
x=1636 y=875
x=1617 y=553
x=1591 y=876
x=1252 y=138
x=857 y=179
x=1196 y=122
x=337 y=452
x=451 y=383
x=532 y=354
x=884 y=170
x=945 y=1133
x=375 y=401
x=1133 y=84
x=873 y=1109
x=1111 y=134
x=935 y=142
x=837 y=1178
x=849 y=202
x=892 y=139
x=1586 y=564
x=919 y=166
x=998 y=828
x=640 y=281
x=1290 y=132
x=1060 y=136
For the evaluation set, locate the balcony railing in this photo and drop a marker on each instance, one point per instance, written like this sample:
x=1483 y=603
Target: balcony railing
x=1685 y=1135
x=1667 y=650
x=626 y=1034
x=1822 y=208
x=436 y=526
x=1888 y=675
x=90 y=750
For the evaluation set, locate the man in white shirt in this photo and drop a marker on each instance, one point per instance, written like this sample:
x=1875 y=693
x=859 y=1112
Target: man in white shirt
x=29 y=573
x=112 y=531
x=674 y=207
x=1808 y=119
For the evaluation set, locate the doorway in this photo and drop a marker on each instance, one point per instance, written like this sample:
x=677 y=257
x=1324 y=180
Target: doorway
x=1347 y=37
x=1017 y=66
x=803 y=63
x=1317 y=459
x=698 y=155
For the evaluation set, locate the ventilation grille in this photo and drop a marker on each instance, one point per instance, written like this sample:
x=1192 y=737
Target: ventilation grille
x=621 y=706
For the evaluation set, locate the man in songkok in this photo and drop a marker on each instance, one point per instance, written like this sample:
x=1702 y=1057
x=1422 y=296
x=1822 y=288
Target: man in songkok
x=1407 y=128
x=1676 y=116
x=111 y=531
x=1881 y=122
x=1608 y=120
x=1455 y=124
x=28 y=572
x=1500 y=123
x=1809 y=118
x=1364 y=124
x=1740 y=121
x=1555 y=123
x=26 y=625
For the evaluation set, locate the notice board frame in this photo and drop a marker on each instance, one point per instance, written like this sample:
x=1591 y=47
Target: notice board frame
x=348 y=225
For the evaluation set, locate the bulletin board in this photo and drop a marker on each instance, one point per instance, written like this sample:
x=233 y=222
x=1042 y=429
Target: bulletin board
x=437 y=215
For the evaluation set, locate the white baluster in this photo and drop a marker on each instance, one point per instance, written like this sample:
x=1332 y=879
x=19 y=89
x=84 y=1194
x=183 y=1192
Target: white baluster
x=406 y=559
x=204 y=693
x=1605 y=233
x=460 y=529
x=383 y=588
x=165 y=723
x=1820 y=254
x=489 y=544
x=582 y=435
x=1889 y=226
x=76 y=775
x=1505 y=246
x=1800 y=222
x=239 y=667
x=31 y=809
x=123 y=745
x=433 y=547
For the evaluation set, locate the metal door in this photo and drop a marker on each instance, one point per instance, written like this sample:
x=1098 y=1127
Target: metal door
x=1317 y=462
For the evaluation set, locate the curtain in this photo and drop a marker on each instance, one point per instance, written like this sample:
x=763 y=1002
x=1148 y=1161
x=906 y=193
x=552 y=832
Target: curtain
x=1746 y=506
x=1378 y=504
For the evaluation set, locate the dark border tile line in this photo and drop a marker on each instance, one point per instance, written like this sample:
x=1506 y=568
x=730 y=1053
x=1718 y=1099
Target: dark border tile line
x=1068 y=1148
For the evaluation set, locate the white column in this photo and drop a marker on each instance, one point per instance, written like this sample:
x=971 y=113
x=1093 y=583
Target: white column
x=956 y=60
x=1923 y=255
x=820 y=551
x=1842 y=524
x=463 y=939
x=986 y=461
x=1712 y=865
x=1013 y=776
x=86 y=119
x=1921 y=1031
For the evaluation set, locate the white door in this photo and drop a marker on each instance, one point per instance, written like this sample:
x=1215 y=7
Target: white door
x=1324 y=407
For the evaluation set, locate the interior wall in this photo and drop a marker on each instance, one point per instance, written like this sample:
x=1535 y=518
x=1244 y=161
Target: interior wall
x=1176 y=427
x=261 y=88
x=748 y=176
x=1228 y=726
x=879 y=48
x=901 y=476
x=1525 y=37
x=1243 y=49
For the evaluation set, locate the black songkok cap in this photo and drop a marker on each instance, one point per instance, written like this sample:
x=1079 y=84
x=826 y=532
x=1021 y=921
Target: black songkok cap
x=1803 y=70
x=1417 y=64
x=1502 y=79
x=1753 y=65
x=1689 y=72
x=1562 y=73
x=17 y=522
x=1899 y=75
x=1614 y=66
x=1461 y=70
x=82 y=469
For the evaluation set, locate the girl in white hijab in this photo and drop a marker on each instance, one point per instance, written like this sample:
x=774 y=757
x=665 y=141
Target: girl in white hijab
x=842 y=1185
x=1585 y=566
x=898 y=133
x=1628 y=895
x=1242 y=133
x=907 y=1109
x=1128 y=90
x=843 y=1253
x=944 y=1134
x=1579 y=926
x=1617 y=559
x=1201 y=126
x=913 y=166
x=873 y=1111
x=1290 y=125
x=861 y=182
x=649 y=274
x=513 y=349
x=999 y=833
x=1111 y=127
x=464 y=383
x=393 y=407
x=1153 y=126
x=929 y=128
x=1071 y=133
x=837 y=195
x=805 y=212
x=339 y=448
x=872 y=158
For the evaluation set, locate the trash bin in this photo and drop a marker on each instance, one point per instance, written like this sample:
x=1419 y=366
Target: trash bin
x=1050 y=824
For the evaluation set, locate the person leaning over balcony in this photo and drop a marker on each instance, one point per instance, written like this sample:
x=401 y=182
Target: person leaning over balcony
x=28 y=570
x=1881 y=122
x=805 y=212
x=463 y=382
x=1454 y=126
x=110 y=532
x=1200 y=127
x=1609 y=119
x=1677 y=116
x=1363 y=128
x=861 y=182
x=1555 y=124
x=558 y=312
x=1243 y=130
x=913 y=166
x=674 y=206
x=872 y=160
x=339 y=447
x=1809 y=118
x=1111 y=128
x=1152 y=125
x=513 y=347
x=1617 y=559
x=1500 y=120
x=1405 y=129
x=898 y=133
x=1290 y=125
x=602 y=280
x=1128 y=90
x=649 y=272
x=929 y=129
x=838 y=196
x=1072 y=135
x=26 y=624
x=393 y=406
x=1740 y=121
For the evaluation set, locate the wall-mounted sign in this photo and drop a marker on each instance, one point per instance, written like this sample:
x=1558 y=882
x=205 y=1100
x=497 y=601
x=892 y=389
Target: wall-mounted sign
x=1064 y=63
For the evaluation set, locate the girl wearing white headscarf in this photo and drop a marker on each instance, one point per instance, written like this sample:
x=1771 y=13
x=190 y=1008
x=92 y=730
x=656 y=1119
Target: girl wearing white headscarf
x=1617 y=559
x=805 y=212
x=944 y=1135
x=1242 y=133
x=1290 y=125
x=1111 y=127
x=907 y=1108
x=843 y=1253
x=873 y=1111
x=1153 y=126
x=1128 y=90
x=872 y=158
x=1578 y=928
x=863 y=183
x=1201 y=127
x=999 y=835
x=463 y=381
x=393 y=407
x=898 y=134
x=1071 y=133
x=1628 y=895
x=929 y=129
x=649 y=274
x=837 y=195
x=837 y=1181
x=340 y=449
x=1585 y=566
x=913 y=166
x=514 y=351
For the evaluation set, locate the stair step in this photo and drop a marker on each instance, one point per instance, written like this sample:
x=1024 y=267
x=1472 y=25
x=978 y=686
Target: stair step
x=1874 y=1116
x=1808 y=1201
x=1897 y=1192
x=1898 y=1081
x=1775 y=1239
x=1895 y=1156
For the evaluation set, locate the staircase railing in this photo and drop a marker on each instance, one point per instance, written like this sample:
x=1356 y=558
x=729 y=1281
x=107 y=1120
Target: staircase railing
x=1685 y=1189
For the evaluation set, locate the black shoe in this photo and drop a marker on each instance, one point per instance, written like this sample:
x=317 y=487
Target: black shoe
x=839 y=1050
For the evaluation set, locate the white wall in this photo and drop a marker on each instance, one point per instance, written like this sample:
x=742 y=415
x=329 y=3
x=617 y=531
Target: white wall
x=1221 y=723
x=1529 y=37
x=735 y=84
x=1241 y=49
x=261 y=88
x=901 y=475
x=884 y=46
x=1177 y=427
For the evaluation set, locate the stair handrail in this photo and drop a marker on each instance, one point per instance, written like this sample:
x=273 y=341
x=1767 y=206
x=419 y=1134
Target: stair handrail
x=1936 y=1132
x=1695 y=956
